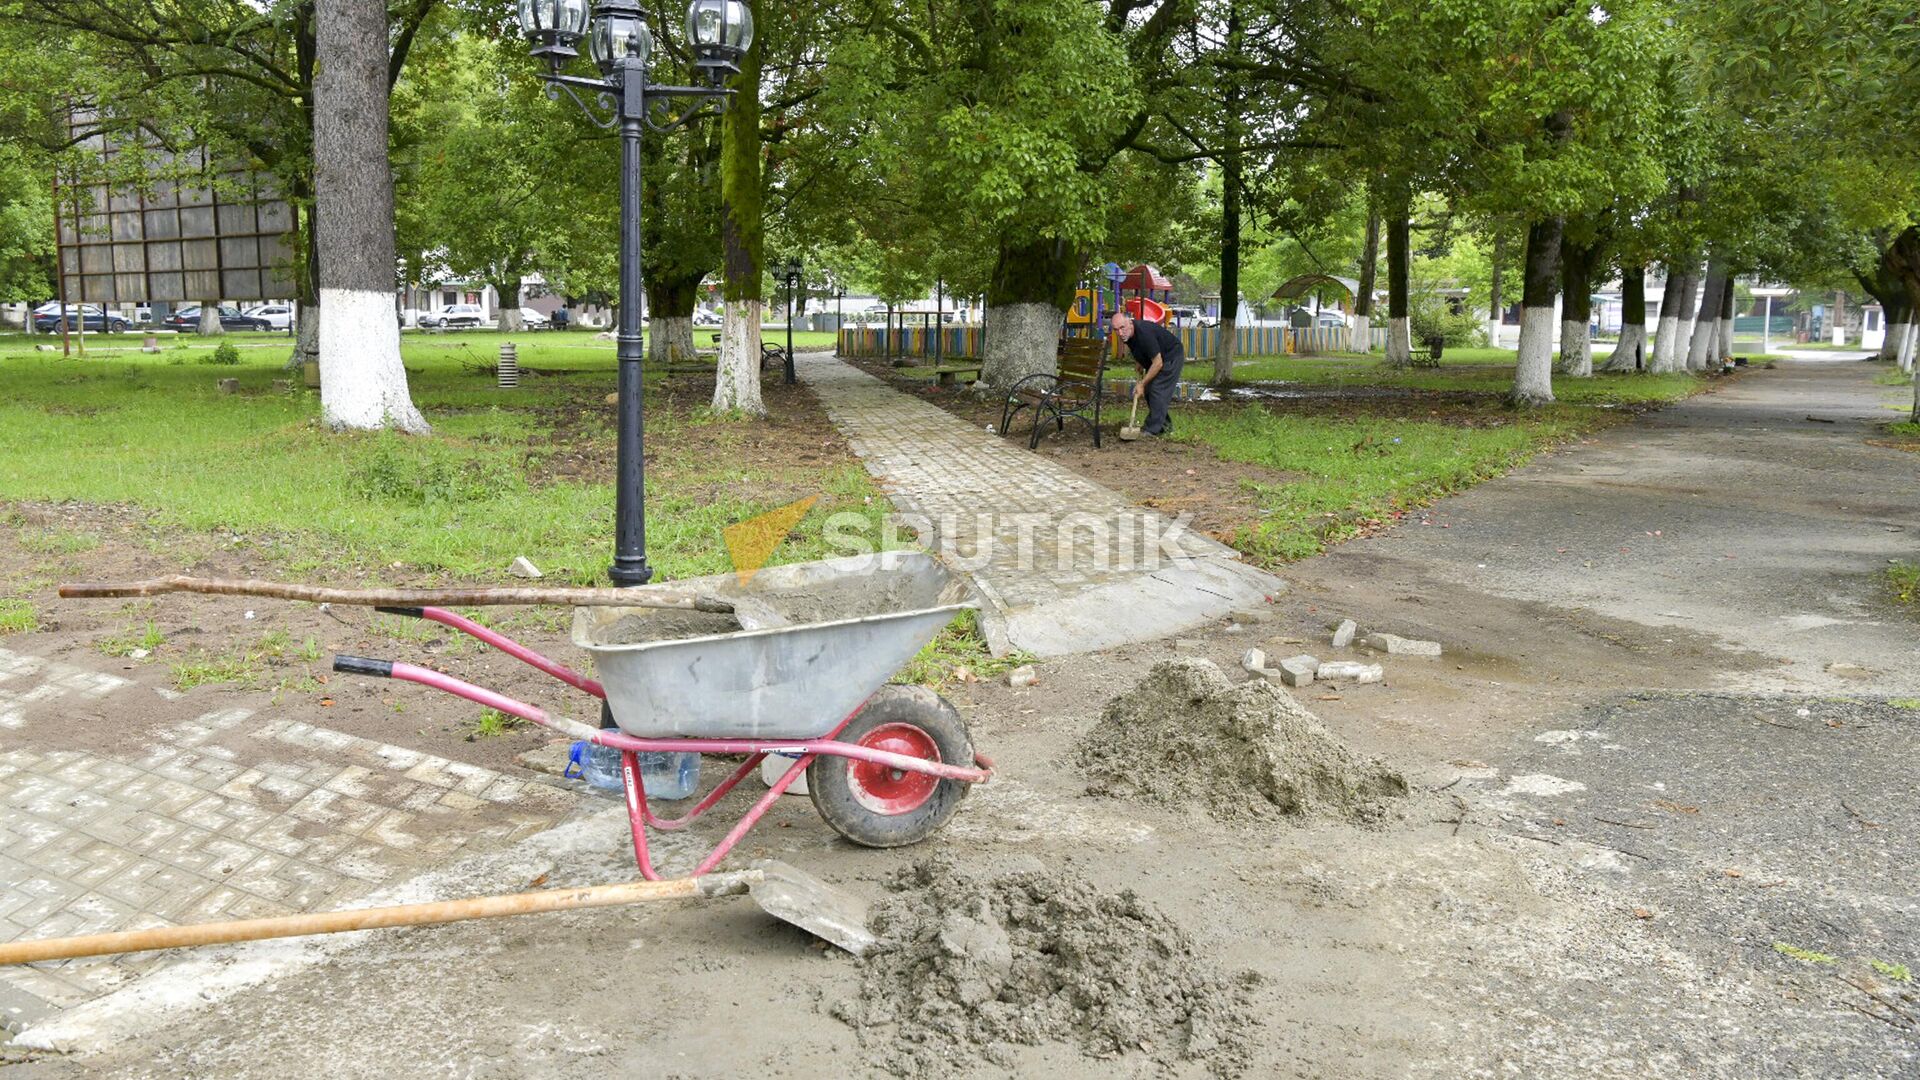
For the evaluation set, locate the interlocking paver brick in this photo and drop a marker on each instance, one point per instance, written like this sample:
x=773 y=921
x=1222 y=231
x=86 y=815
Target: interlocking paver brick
x=221 y=817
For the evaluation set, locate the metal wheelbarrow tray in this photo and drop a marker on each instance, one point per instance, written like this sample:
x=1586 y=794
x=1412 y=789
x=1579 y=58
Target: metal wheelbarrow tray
x=799 y=670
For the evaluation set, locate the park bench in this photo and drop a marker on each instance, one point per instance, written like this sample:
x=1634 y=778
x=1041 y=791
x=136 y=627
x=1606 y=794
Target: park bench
x=944 y=375
x=1077 y=390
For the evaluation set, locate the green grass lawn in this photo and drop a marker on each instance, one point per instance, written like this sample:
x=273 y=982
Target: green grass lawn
x=1488 y=371
x=514 y=472
x=1350 y=471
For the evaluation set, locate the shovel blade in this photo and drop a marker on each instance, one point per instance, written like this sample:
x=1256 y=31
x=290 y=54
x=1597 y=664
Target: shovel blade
x=793 y=896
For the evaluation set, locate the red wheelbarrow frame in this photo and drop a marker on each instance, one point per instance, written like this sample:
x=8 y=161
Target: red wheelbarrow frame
x=639 y=815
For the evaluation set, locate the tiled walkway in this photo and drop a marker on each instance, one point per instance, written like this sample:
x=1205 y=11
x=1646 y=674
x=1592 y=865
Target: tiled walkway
x=230 y=815
x=1063 y=564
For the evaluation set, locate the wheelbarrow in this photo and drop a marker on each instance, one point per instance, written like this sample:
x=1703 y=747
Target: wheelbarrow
x=798 y=670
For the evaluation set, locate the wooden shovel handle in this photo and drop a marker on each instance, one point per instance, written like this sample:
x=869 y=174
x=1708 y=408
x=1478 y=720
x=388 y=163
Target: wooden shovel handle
x=644 y=597
x=333 y=922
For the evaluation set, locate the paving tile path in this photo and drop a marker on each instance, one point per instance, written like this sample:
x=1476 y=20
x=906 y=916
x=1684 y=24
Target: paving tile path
x=233 y=814
x=1062 y=564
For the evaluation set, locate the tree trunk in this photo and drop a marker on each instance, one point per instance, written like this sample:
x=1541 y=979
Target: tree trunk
x=1576 y=310
x=1631 y=353
x=209 y=319
x=1533 y=370
x=1894 y=323
x=1399 y=332
x=1232 y=164
x=1360 y=338
x=508 y=318
x=670 y=304
x=736 y=380
x=1495 y=317
x=1903 y=257
x=1706 y=321
x=362 y=383
x=1666 y=338
x=1026 y=303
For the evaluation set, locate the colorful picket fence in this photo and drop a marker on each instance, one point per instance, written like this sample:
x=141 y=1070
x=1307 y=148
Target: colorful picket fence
x=956 y=342
x=969 y=342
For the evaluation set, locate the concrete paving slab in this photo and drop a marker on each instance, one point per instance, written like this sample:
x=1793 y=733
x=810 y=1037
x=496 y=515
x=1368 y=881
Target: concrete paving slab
x=1061 y=564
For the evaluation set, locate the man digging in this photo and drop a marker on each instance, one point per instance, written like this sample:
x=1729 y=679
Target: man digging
x=1157 y=352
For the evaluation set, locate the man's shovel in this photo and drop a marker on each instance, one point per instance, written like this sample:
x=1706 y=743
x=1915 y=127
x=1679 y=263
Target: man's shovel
x=1130 y=432
x=782 y=891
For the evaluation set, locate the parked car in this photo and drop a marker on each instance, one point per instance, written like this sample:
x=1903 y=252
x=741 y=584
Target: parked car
x=703 y=317
x=533 y=320
x=278 y=316
x=47 y=319
x=187 y=319
x=1331 y=319
x=452 y=315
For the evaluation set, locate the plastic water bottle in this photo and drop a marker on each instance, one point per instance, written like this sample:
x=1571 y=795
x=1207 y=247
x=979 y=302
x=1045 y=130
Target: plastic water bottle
x=670 y=775
x=662 y=775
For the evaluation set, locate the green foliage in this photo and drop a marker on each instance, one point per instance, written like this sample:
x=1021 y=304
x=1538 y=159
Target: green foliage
x=1352 y=473
x=1895 y=972
x=419 y=472
x=493 y=723
x=224 y=353
x=148 y=639
x=1807 y=956
x=1903 y=580
x=958 y=648
x=17 y=616
x=1429 y=317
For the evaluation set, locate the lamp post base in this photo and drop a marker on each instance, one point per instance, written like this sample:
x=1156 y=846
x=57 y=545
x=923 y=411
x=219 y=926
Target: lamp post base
x=626 y=574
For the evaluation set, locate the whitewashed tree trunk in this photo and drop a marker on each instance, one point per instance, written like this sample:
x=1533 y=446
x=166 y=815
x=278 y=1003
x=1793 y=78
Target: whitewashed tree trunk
x=1493 y=331
x=1630 y=353
x=1910 y=345
x=1723 y=340
x=1533 y=369
x=362 y=383
x=1360 y=337
x=1223 y=354
x=1576 y=351
x=1663 y=339
x=1400 y=341
x=1021 y=341
x=210 y=319
x=1893 y=335
x=1706 y=323
x=670 y=341
x=508 y=319
x=736 y=378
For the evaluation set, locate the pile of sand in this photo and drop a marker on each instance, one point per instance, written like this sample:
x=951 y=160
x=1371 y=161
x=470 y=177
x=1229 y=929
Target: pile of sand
x=1187 y=735
x=970 y=967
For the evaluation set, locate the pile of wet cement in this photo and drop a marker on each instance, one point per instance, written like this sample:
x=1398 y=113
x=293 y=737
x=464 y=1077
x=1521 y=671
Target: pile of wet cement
x=1187 y=735
x=969 y=967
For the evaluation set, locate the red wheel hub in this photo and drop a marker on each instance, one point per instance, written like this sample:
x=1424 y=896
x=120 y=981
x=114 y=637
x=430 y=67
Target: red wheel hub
x=887 y=790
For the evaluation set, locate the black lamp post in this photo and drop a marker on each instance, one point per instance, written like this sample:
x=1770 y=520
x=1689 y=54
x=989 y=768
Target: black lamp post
x=790 y=272
x=720 y=32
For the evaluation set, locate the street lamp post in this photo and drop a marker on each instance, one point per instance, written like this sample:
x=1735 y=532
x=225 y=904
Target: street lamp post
x=720 y=32
x=791 y=273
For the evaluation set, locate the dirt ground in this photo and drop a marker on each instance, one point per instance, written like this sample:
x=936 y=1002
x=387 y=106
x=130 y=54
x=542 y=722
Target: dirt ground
x=1634 y=849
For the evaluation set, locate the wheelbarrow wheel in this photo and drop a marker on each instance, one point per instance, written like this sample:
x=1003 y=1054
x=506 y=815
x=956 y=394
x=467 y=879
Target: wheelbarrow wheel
x=876 y=806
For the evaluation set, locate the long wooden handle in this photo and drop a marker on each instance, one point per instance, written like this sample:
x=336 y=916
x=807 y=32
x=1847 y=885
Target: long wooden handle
x=333 y=922
x=652 y=598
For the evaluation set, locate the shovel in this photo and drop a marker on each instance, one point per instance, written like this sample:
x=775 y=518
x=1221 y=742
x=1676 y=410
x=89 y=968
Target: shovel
x=782 y=891
x=1130 y=432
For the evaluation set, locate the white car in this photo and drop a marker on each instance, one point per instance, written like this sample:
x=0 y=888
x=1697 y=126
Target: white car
x=278 y=316
x=533 y=320
x=452 y=315
x=703 y=317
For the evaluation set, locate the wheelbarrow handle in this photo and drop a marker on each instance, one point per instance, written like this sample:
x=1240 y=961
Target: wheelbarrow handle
x=363 y=665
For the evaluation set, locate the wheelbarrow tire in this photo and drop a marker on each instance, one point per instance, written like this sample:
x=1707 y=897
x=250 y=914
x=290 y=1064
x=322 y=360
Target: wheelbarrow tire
x=878 y=807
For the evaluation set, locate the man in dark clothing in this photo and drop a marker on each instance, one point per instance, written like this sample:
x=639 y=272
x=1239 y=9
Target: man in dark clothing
x=1160 y=357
